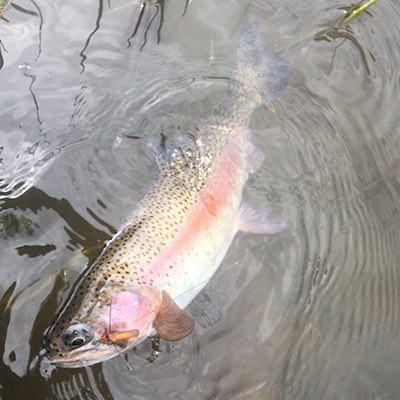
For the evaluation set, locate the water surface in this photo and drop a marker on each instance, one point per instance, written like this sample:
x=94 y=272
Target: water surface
x=87 y=92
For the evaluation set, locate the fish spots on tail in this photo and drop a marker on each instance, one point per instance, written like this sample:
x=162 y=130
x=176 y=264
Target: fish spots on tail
x=260 y=70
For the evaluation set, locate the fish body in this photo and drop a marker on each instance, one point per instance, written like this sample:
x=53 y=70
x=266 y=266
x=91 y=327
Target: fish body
x=178 y=235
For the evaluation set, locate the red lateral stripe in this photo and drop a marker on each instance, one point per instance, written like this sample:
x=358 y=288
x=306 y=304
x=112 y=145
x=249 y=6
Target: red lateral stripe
x=213 y=198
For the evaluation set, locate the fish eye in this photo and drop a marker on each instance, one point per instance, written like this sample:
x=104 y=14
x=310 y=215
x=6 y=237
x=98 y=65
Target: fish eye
x=77 y=335
x=77 y=342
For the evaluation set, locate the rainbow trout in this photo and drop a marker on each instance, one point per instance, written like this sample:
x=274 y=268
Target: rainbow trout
x=179 y=233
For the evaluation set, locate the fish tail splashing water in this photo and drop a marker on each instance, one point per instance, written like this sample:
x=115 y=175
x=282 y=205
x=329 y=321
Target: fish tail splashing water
x=179 y=233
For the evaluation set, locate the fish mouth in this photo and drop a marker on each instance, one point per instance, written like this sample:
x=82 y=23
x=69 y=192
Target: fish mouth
x=78 y=360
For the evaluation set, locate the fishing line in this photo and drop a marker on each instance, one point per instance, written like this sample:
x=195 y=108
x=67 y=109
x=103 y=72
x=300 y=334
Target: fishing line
x=203 y=282
x=350 y=13
x=107 y=340
x=345 y=200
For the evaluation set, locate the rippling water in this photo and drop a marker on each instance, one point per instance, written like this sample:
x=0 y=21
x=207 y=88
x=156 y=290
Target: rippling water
x=88 y=91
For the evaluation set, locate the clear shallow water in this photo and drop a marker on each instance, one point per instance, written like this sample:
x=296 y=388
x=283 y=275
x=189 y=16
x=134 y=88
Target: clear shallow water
x=310 y=314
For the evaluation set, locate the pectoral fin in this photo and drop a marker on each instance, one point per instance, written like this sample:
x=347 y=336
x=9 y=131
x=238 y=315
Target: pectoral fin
x=172 y=323
x=255 y=157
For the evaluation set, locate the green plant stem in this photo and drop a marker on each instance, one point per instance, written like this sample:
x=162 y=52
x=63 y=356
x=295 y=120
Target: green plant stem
x=357 y=10
x=3 y=5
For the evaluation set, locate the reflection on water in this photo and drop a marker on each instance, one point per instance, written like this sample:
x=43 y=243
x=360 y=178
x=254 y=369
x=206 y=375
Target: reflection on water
x=345 y=35
x=2 y=48
x=88 y=92
x=157 y=17
x=12 y=224
x=81 y=233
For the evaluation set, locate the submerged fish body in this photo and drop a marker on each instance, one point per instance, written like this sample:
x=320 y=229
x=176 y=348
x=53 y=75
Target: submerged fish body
x=177 y=236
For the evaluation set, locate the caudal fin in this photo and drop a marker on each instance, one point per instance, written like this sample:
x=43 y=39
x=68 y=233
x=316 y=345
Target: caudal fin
x=261 y=73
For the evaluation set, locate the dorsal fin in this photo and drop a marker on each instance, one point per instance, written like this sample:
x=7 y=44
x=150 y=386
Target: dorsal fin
x=172 y=323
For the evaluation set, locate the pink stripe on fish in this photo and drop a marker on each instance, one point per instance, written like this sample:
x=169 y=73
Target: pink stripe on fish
x=213 y=198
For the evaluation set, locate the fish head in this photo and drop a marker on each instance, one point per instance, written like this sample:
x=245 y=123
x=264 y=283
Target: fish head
x=98 y=331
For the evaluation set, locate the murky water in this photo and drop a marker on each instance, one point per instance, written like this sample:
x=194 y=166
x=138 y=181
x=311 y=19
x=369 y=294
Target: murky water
x=88 y=89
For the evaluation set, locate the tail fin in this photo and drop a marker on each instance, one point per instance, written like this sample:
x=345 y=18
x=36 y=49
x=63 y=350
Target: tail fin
x=261 y=73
